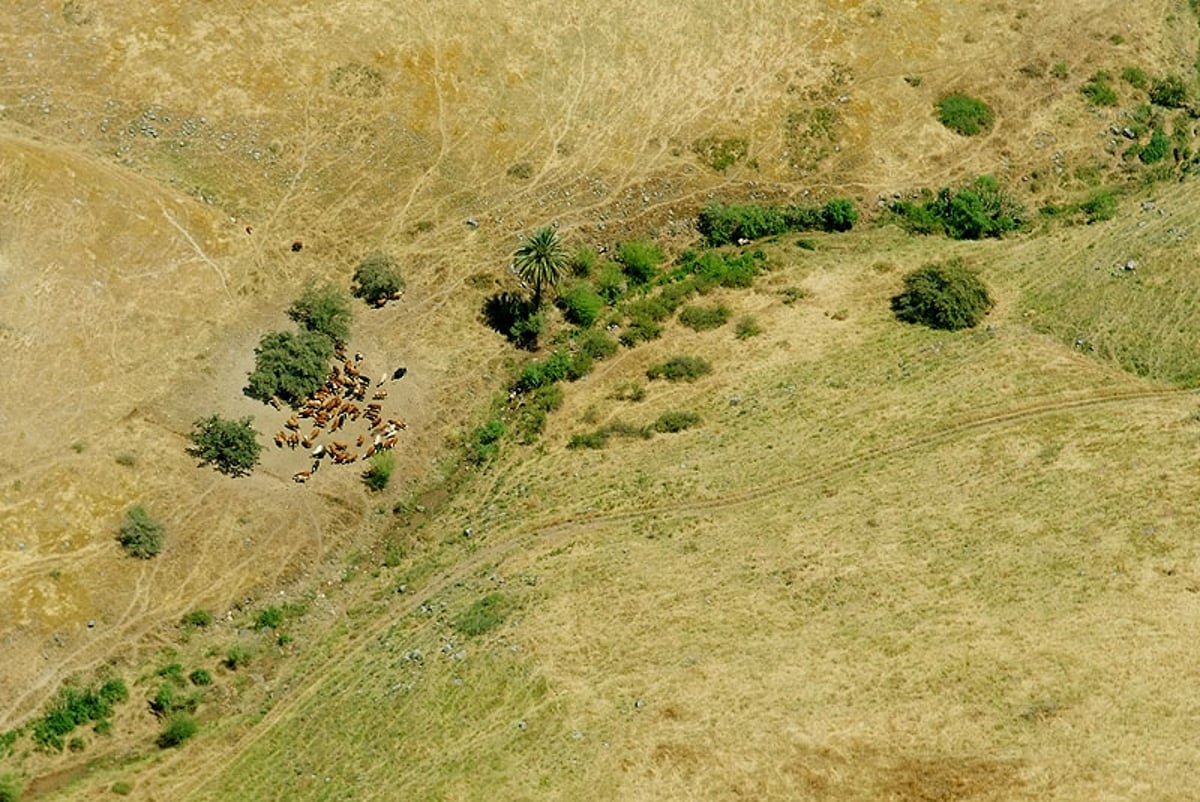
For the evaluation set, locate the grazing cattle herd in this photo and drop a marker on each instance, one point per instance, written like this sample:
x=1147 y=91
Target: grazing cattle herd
x=337 y=405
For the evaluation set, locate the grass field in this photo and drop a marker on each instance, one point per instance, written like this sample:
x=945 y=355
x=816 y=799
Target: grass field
x=886 y=563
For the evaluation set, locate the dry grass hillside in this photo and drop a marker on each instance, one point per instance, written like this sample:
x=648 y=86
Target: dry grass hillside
x=889 y=563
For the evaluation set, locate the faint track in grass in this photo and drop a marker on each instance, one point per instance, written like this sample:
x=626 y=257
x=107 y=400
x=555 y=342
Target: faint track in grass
x=549 y=533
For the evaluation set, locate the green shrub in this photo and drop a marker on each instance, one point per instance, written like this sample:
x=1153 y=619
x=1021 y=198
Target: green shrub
x=484 y=615
x=611 y=283
x=122 y=788
x=839 y=215
x=168 y=700
x=230 y=446
x=141 y=536
x=1157 y=149
x=553 y=368
x=1169 y=92
x=641 y=328
x=269 y=618
x=964 y=114
x=596 y=344
x=714 y=268
x=180 y=727
x=173 y=671
x=1099 y=91
x=10 y=788
x=580 y=365
x=747 y=327
x=290 y=366
x=946 y=295
x=484 y=443
x=593 y=440
x=1099 y=206
x=722 y=224
x=584 y=261
x=701 y=318
x=680 y=368
x=379 y=470
x=237 y=656
x=1135 y=77
x=651 y=307
x=196 y=618
x=675 y=421
x=200 y=677
x=322 y=308
x=639 y=260
x=975 y=211
x=73 y=707
x=377 y=279
x=581 y=304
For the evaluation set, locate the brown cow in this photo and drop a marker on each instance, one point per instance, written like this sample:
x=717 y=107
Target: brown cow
x=301 y=477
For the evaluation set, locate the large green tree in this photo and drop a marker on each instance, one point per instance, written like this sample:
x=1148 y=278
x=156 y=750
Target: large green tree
x=323 y=308
x=231 y=446
x=541 y=261
x=290 y=366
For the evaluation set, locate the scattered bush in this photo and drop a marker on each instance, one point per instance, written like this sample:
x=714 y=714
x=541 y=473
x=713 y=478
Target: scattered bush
x=581 y=304
x=1099 y=206
x=538 y=405
x=180 y=727
x=946 y=295
x=377 y=279
x=1099 y=91
x=1157 y=149
x=593 y=440
x=631 y=391
x=289 y=366
x=701 y=318
x=639 y=259
x=379 y=471
x=975 y=211
x=200 y=677
x=722 y=224
x=716 y=269
x=596 y=344
x=168 y=700
x=747 y=327
x=964 y=114
x=553 y=368
x=1169 y=92
x=237 y=656
x=141 y=536
x=484 y=443
x=522 y=170
x=680 y=368
x=322 y=308
x=73 y=707
x=793 y=294
x=677 y=421
x=10 y=788
x=122 y=788
x=484 y=615
x=230 y=446
x=269 y=618
x=196 y=618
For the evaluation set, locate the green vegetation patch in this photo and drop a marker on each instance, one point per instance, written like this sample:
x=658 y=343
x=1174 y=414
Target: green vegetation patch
x=721 y=153
x=483 y=444
x=680 y=368
x=1169 y=92
x=324 y=309
x=141 y=536
x=964 y=114
x=486 y=614
x=581 y=304
x=675 y=421
x=722 y=224
x=380 y=467
x=978 y=210
x=600 y=437
x=701 y=318
x=179 y=728
x=1098 y=90
x=945 y=295
x=639 y=259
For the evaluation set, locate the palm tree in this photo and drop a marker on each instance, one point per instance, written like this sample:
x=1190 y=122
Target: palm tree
x=541 y=261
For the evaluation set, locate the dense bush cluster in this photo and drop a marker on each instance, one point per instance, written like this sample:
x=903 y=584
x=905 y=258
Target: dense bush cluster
x=1099 y=91
x=322 y=308
x=722 y=224
x=581 y=304
x=978 y=210
x=73 y=707
x=484 y=615
x=639 y=260
x=680 y=368
x=289 y=366
x=946 y=295
x=701 y=318
x=379 y=470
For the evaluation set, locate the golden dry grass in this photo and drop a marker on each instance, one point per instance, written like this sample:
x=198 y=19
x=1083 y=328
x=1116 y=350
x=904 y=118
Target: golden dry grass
x=890 y=564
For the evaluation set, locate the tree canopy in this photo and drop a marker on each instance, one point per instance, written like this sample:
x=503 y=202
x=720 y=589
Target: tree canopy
x=230 y=446
x=290 y=366
x=541 y=261
x=323 y=308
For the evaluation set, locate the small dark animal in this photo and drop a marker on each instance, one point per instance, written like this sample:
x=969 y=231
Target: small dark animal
x=297 y=246
x=399 y=374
